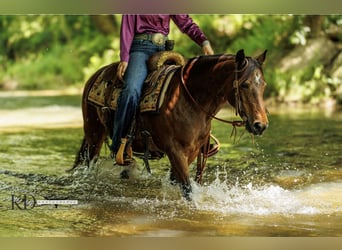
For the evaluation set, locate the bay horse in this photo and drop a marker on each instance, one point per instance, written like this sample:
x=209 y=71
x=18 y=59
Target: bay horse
x=196 y=93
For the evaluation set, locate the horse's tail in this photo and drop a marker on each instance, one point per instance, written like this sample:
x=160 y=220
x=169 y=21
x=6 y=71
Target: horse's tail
x=92 y=141
x=81 y=156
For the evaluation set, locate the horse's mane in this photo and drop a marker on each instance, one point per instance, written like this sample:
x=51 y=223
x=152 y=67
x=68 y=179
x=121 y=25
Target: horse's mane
x=197 y=64
x=211 y=59
x=207 y=61
x=204 y=61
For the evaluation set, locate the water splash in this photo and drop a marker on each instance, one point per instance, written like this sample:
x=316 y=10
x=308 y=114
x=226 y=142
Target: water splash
x=321 y=198
x=155 y=193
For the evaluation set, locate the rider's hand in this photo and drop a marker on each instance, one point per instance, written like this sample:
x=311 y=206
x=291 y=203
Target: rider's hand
x=121 y=70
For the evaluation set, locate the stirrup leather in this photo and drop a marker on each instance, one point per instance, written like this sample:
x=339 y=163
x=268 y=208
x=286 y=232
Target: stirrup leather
x=120 y=155
x=211 y=149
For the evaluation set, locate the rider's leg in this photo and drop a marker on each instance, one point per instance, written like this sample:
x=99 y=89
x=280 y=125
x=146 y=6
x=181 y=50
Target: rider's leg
x=129 y=98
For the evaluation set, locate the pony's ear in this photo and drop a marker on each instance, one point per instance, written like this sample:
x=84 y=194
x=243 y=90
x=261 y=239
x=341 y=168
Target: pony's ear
x=240 y=58
x=261 y=58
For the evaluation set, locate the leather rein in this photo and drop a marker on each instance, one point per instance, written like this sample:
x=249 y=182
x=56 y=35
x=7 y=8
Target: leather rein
x=184 y=78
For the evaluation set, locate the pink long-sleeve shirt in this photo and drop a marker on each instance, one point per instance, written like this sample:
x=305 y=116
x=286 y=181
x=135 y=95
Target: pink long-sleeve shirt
x=138 y=24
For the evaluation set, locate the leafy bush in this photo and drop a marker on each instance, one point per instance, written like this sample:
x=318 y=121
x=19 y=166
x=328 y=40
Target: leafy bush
x=56 y=51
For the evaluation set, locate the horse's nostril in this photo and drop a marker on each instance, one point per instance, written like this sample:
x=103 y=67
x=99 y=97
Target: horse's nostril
x=259 y=127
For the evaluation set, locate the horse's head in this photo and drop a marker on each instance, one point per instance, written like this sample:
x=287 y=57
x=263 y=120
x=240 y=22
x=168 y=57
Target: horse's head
x=249 y=85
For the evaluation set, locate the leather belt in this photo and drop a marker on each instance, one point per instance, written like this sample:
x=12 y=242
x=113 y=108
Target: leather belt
x=156 y=38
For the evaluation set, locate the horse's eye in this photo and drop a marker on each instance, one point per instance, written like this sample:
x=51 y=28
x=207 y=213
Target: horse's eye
x=244 y=85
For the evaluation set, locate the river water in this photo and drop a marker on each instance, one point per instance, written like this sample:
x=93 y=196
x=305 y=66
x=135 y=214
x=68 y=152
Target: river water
x=286 y=183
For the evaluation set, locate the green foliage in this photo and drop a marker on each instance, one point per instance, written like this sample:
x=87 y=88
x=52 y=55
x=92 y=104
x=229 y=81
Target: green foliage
x=48 y=51
x=98 y=60
x=56 y=51
x=308 y=86
x=58 y=67
x=258 y=33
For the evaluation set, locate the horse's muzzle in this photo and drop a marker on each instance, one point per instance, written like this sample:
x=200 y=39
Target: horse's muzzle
x=257 y=128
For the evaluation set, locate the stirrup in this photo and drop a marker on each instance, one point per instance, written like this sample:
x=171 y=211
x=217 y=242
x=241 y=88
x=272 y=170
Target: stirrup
x=124 y=156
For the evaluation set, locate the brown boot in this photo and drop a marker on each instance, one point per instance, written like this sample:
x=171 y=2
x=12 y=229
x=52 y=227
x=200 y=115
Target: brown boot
x=124 y=156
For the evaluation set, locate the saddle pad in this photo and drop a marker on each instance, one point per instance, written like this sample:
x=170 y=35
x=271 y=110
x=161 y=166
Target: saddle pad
x=153 y=93
x=155 y=88
x=97 y=92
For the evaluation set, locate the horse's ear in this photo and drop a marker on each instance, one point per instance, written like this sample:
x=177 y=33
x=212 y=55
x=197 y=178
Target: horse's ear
x=261 y=58
x=240 y=58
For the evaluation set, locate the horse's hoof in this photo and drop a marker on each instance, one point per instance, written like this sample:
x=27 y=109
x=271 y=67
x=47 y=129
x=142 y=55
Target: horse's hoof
x=187 y=192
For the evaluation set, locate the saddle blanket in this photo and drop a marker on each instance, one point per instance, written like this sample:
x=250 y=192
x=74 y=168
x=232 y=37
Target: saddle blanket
x=153 y=93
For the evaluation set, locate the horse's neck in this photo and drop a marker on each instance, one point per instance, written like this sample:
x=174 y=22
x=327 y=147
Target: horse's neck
x=210 y=79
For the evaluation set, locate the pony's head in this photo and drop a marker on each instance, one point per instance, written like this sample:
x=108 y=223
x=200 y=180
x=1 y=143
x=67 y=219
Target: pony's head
x=249 y=85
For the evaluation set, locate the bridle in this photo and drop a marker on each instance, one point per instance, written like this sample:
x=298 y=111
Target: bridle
x=202 y=157
x=236 y=84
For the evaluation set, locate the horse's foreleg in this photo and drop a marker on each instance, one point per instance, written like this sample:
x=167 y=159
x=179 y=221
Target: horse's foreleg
x=180 y=174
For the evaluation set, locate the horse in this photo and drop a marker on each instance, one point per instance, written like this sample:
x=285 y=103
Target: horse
x=196 y=93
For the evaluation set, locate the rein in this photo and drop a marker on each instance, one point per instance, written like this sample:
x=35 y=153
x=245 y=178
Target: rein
x=235 y=86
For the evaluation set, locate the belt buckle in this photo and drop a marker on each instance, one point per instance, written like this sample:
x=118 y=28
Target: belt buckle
x=158 y=39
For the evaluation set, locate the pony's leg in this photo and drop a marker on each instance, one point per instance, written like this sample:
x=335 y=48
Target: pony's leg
x=180 y=175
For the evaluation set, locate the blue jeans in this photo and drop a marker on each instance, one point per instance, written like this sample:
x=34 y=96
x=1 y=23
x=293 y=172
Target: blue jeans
x=129 y=98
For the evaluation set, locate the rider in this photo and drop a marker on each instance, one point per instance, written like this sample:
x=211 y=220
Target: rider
x=141 y=36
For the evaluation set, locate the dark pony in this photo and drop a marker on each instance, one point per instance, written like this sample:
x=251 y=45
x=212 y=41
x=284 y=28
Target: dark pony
x=196 y=93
